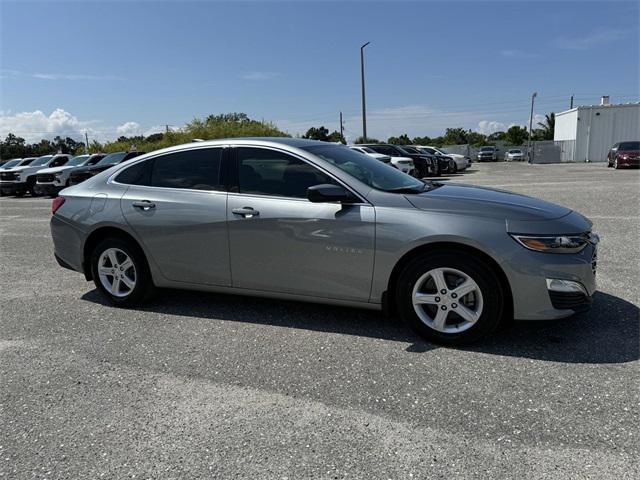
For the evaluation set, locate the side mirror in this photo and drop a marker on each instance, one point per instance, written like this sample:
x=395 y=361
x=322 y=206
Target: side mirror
x=326 y=193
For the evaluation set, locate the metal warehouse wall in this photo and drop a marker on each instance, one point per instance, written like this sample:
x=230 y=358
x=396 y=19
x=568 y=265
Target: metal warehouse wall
x=600 y=127
x=566 y=127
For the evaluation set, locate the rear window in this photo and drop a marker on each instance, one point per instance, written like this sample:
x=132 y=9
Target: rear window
x=628 y=146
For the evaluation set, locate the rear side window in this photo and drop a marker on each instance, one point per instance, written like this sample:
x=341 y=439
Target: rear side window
x=138 y=174
x=273 y=173
x=197 y=169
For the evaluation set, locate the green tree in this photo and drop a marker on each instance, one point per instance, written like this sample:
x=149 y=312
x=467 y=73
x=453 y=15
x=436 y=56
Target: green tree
x=496 y=136
x=422 y=141
x=516 y=135
x=401 y=140
x=455 y=136
x=547 y=127
x=367 y=140
x=317 y=133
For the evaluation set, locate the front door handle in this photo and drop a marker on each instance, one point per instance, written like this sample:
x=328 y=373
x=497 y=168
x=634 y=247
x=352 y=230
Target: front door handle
x=246 y=212
x=145 y=205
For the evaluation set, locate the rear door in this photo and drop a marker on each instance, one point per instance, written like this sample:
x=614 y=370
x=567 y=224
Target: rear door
x=281 y=242
x=176 y=204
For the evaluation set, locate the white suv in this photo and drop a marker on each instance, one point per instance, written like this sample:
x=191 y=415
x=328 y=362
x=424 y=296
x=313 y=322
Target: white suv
x=49 y=181
x=22 y=179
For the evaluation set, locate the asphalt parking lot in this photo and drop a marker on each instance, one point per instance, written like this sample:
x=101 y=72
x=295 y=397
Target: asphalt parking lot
x=212 y=386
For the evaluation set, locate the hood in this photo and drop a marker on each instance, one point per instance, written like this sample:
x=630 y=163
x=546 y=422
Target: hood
x=486 y=202
x=629 y=153
x=380 y=156
x=93 y=168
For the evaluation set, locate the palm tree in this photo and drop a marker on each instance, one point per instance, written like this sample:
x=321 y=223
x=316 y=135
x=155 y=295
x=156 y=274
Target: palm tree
x=547 y=127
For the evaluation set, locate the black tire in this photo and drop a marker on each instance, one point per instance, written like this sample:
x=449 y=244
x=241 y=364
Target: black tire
x=615 y=164
x=455 y=167
x=487 y=281
x=144 y=287
x=31 y=185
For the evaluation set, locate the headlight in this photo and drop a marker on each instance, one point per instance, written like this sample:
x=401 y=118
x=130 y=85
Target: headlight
x=554 y=243
x=57 y=175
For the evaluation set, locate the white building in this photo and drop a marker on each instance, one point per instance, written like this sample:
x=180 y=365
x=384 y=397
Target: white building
x=587 y=133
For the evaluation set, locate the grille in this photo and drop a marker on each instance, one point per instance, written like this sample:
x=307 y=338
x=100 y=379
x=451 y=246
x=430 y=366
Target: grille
x=78 y=178
x=45 y=178
x=569 y=300
x=8 y=176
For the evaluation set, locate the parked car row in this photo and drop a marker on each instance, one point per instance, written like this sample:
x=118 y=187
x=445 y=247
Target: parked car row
x=417 y=160
x=48 y=174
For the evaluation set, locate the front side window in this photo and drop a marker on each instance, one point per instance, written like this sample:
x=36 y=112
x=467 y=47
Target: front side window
x=59 y=161
x=270 y=172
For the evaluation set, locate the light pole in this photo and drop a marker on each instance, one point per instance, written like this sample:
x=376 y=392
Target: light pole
x=364 y=107
x=535 y=94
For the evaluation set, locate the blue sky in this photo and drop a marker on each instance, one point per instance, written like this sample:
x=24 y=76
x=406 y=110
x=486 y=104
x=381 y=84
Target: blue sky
x=130 y=67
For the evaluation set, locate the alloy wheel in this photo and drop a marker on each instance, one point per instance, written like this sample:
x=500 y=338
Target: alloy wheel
x=117 y=272
x=447 y=300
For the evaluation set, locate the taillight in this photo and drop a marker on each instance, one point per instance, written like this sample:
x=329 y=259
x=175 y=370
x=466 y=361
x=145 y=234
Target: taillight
x=56 y=204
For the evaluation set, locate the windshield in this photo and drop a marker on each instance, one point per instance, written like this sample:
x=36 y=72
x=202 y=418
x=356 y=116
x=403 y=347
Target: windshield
x=629 y=146
x=515 y=151
x=367 y=169
x=95 y=158
x=41 y=160
x=441 y=150
x=367 y=149
x=487 y=149
x=112 y=158
x=75 y=161
x=10 y=163
x=411 y=150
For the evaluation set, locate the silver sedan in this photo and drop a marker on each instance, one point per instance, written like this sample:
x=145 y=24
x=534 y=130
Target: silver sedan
x=305 y=220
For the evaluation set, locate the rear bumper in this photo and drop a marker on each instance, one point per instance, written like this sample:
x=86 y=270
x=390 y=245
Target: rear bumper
x=67 y=244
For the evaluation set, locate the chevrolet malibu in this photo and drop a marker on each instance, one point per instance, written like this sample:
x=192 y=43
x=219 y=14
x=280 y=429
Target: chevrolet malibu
x=304 y=220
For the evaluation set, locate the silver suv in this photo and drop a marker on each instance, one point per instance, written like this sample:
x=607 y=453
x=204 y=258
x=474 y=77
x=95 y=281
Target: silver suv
x=304 y=220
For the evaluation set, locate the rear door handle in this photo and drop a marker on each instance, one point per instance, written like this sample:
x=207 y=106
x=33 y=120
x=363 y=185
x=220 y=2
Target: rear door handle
x=246 y=212
x=144 y=205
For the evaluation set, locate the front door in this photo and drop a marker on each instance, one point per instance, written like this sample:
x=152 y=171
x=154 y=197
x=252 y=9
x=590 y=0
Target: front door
x=281 y=242
x=177 y=206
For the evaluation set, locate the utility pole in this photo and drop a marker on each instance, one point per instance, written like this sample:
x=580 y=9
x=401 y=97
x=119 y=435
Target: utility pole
x=341 y=126
x=535 y=94
x=364 y=107
x=166 y=128
x=571 y=105
x=86 y=141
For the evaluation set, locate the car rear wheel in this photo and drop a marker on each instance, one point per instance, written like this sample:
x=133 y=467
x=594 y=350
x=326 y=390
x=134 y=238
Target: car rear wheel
x=450 y=298
x=120 y=271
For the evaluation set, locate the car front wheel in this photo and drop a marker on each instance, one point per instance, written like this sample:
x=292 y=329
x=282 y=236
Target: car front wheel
x=120 y=272
x=450 y=298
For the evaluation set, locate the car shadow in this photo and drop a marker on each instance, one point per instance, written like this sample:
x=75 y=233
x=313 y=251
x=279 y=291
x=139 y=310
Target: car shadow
x=608 y=333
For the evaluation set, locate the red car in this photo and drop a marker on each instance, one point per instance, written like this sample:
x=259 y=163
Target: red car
x=624 y=154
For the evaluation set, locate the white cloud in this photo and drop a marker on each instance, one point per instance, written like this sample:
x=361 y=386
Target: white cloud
x=6 y=73
x=260 y=75
x=597 y=37
x=128 y=129
x=515 y=53
x=67 y=76
x=34 y=126
x=487 y=127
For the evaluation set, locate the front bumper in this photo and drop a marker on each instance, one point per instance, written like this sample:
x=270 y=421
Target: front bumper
x=629 y=162
x=11 y=188
x=536 y=298
x=47 y=188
